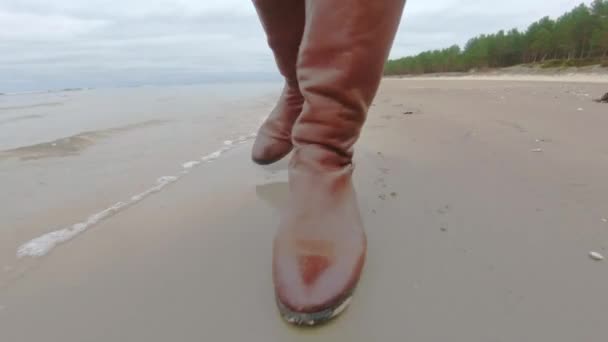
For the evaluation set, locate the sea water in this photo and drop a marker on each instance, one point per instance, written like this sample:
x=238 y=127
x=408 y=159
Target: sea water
x=70 y=159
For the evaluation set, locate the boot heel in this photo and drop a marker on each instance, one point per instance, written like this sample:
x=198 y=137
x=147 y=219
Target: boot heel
x=313 y=318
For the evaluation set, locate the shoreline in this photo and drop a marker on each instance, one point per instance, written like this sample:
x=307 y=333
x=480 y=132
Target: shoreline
x=572 y=78
x=592 y=74
x=481 y=210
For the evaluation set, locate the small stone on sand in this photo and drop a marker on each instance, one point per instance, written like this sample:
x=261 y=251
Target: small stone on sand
x=580 y=109
x=605 y=220
x=537 y=150
x=596 y=256
x=444 y=229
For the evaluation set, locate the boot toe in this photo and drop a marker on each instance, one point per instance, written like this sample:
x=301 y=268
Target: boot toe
x=267 y=150
x=315 y=284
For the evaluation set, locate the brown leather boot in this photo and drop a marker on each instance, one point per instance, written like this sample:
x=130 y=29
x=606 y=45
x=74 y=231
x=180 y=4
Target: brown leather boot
x=320 y=247
x=283 y=21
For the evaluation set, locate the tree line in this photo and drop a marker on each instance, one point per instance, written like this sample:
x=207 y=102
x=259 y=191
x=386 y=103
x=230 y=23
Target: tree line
x=578 y=37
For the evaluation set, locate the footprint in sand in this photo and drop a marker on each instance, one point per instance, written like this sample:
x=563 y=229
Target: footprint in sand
x=380 y=182
x=444 y=210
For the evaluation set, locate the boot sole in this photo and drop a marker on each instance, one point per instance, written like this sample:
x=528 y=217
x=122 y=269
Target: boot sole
x=310 y=319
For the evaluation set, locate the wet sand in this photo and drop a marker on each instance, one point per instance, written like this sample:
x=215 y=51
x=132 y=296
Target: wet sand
x=66 y=158
x=473 y=236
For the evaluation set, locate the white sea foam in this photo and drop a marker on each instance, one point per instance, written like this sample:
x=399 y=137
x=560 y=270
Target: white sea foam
x=42 y=245
x=211 y=156
x=160 y=184
x=190 y=164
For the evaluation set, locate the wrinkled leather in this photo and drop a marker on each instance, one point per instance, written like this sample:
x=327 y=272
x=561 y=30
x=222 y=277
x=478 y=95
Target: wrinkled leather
x=283 y=22
x=320 y=247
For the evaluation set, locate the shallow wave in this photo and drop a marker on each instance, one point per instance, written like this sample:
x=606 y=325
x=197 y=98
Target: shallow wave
x=51 y=91
x=42 y=245
x=72 y=145
x=21 y=118
x=35 y=105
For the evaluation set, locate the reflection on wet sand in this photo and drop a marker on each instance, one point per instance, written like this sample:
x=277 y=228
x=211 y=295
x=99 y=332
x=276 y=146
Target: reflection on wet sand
x=72 y=145
x=275 y=194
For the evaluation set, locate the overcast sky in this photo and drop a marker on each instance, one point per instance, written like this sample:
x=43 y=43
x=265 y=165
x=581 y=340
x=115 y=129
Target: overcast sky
x=46 y=44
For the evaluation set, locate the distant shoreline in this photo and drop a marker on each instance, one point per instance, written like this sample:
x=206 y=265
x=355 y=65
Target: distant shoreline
x=593 y=74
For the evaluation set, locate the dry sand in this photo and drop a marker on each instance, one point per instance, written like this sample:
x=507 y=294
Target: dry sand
x=516 y=77
x=472 y=236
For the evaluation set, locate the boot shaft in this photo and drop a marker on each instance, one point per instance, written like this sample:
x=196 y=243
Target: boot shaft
x=341 y=59
x=283 y=21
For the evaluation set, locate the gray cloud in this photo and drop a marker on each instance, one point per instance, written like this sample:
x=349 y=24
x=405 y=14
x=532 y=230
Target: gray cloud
x=70 y=43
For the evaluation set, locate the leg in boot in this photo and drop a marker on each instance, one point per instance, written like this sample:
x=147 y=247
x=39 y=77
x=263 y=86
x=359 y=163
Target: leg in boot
x=283 y=22
x=319 y=250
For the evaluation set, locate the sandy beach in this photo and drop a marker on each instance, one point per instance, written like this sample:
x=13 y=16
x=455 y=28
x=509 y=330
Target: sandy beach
x=482 y=199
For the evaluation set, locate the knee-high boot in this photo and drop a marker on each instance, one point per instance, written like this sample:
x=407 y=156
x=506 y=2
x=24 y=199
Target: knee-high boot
x=319 y=250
